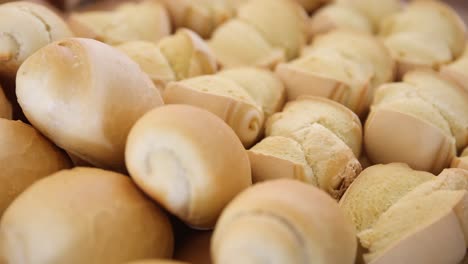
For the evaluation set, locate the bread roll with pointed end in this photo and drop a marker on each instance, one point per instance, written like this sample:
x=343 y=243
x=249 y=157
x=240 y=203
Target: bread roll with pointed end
x=157 y=261
x=24 y=28
x=280 y=157
x=420 y=125
x=456 y=71
x=195 y=248
x=335 y=16
x=202 y=17
x=411 y=231
x=151 y=60
x=85 y=96
x=334 y=165
x=174 y=155
x=236 y=43
x=462 y=161
x=26 y=156
x=374 y=11
x=287 y=228
x=449 y=99
x=188 y=54
x=427 y=34
x=283 y=23
x=307 y=110
x=6 y=111
x=146 y=20
x=88 y=216
x=376 y=189
x=262 y=85
x=224 y=98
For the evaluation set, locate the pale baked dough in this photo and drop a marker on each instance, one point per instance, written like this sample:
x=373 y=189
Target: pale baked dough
x=373 y=10
x=462 y=161
x=85 y=96
x=189 y=161
x=457 y=70
x=84 y=215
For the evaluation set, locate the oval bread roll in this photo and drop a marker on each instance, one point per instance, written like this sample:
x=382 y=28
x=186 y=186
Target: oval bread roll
x=85 y=96
x=6 y=110
x=26 y=156
x=462 y=161
x=189 y=161
x=224 y=98
x=146 y=20
x=287 y=228
x=88 y=216
x=456 y=71
x=195 y=248
x=24 y=28
x=376 y=189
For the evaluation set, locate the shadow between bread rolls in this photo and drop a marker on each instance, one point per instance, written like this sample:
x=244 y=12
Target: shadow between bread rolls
x=189 y=161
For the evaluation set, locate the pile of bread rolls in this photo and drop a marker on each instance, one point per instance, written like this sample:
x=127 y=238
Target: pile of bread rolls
x=233 y=131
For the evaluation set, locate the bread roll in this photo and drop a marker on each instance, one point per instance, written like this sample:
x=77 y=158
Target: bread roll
x=195 y=248
x=236 y=43
x=5 y=107
x=427 y=34
x=88 y=216
x=462 y=161
x=26 y=157
x=146 y=20
x=189 y=161
x=282 y=23
x=151 y=60
x=302 y=225
x=376 y=189
x=263 y=86
x=280 y=157
x=224 y=98
x=201 y=16
x=338 y=17
x=456 y=71
x=85 y=96
x=187 y=54
x=24 y=28
x=307 y=110
x=411 y=231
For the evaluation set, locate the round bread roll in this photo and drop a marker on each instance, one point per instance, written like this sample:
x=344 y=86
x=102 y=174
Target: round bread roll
x=195 y=248
x=6 y=111
x=307 y=110
x=224 y=98
x=456 y=71
x=26 y=157
x=85 y=96
x=236 y=43
x=24 y=28
x=462 y=161
x=151 y=60
x=376 y=189
x=146 y=20
x=88 y=216
x=189 y=161
x=302 y=225
x=188 y=54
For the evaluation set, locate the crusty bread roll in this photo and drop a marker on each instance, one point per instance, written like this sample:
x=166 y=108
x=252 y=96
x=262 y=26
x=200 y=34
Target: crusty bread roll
x=223 y=97
x=456 y=70
x=307 y=110
x=202 y=16
x=302 y=225
x=146 y=20
x=280 y=157
x=85 y=96
x=188 y=54
x=236 y=43
x=6 y=110
x=87 y=216
x=24 y=28
x=462 y=161
x=26 y=157
x=376 y=189
x=151 y=60
x=344 y=66
x=195 y=248
x=411 y=231
x=427 y=34
x=189 y=161
x=262 y=85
